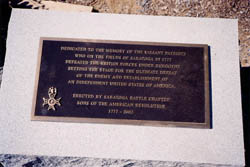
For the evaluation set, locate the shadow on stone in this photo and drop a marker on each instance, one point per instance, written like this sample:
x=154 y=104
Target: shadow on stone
x=5 y=11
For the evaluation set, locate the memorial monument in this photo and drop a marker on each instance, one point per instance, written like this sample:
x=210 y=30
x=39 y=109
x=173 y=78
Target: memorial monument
x=134 y=70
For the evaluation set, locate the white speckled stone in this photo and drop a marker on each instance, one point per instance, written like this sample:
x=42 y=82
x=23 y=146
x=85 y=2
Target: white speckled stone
x=223 y=144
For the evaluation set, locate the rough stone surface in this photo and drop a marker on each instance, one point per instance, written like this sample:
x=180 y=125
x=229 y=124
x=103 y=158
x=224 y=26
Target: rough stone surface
x=34 y=161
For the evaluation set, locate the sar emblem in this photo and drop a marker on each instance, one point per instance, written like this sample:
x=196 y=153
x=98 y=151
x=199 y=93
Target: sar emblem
x=51 y=101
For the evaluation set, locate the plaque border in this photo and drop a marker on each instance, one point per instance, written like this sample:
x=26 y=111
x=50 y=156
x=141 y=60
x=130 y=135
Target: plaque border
x=206 y=59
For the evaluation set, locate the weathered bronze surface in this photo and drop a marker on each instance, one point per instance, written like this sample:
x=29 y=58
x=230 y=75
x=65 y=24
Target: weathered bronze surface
x=122 y=82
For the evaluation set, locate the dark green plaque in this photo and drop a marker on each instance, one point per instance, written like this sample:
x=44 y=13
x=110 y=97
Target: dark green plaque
x=122 y=82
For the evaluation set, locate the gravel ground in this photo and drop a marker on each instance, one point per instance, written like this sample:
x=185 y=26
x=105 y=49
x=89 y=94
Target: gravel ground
x=235 y=9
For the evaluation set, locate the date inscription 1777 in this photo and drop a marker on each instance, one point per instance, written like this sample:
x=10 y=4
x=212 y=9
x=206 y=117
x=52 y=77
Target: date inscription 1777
x=122 y=82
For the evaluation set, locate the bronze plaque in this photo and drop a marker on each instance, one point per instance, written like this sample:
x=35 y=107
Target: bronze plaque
x=122 y=82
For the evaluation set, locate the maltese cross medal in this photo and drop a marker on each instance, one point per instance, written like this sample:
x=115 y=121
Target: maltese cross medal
x=51 y=101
